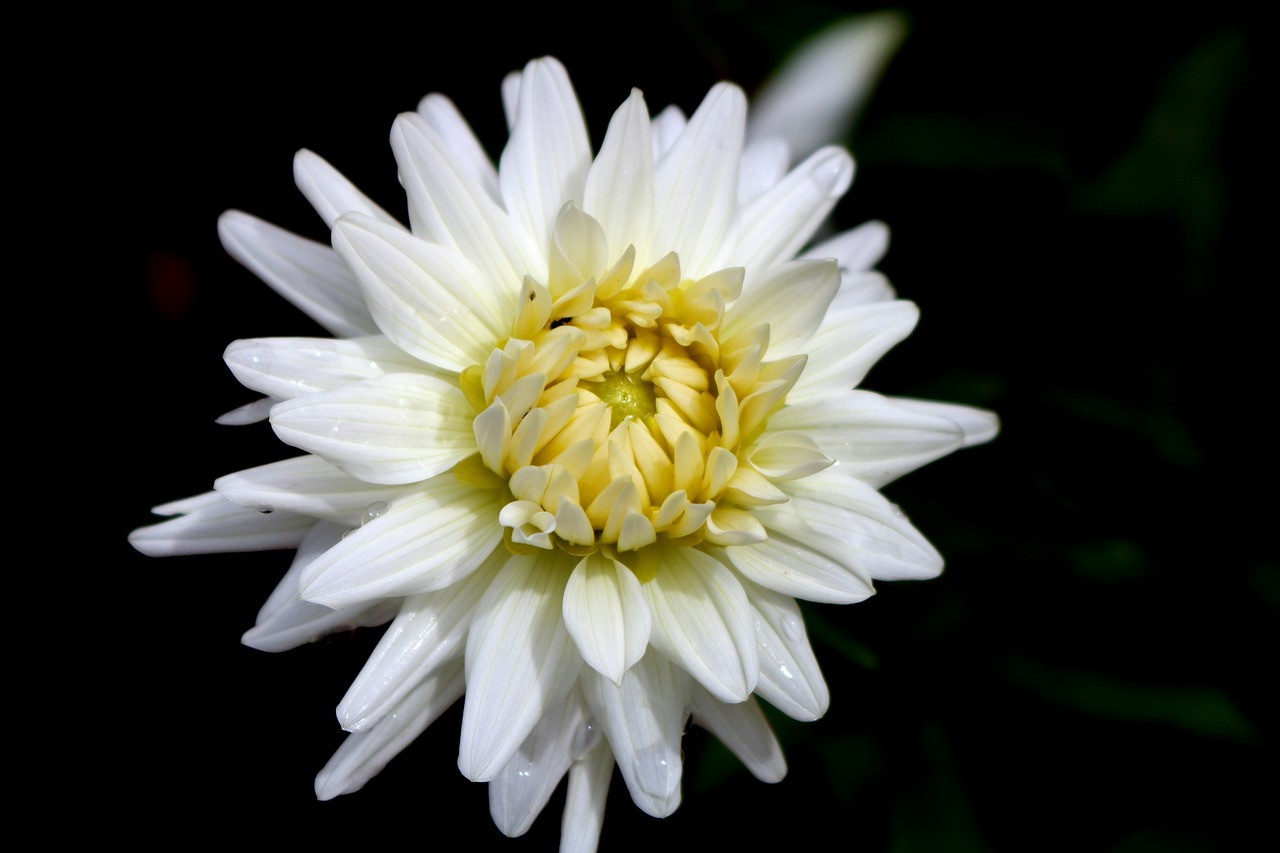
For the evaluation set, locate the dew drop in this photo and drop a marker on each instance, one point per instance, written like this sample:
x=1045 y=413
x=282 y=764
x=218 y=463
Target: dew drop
x=833 y=173
x=584 y=739
x=372 y=511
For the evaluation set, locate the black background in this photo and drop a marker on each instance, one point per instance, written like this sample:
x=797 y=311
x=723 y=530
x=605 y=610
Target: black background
x=1072 y=198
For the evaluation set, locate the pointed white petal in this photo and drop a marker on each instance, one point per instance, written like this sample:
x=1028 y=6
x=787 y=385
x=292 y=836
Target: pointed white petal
x=789 y=562
x=520 y=661
x=511 y=98
x=588 y=793
x=218 y=527
x=764 y=163
x=743 y=728
x=849 y=343
x=430 y=630
x=363 y=754
x=696 y=183
x=619 y=191
x=422 y=296
x=422 y=542
x=286 y=621
x=979 y=425
x=330 y=193
x=606 y=614
x=445 y=119
x=858 y=249
x=790 y=679
x=667 y=127
x=249 y=413
x=643 y=719
x=320 y=538
x=817 y=94
x=774 y=226
x=397 y=428
x=306 y=273
x=284 y=368
x=449 y=207
x=874 y=438
x=792 y=298
x=308 y=485
x=701 y=621
x=518 y=794
x=546 y=159
x=869 y=534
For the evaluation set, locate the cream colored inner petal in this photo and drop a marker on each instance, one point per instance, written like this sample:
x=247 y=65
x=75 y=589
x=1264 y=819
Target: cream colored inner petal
x=615 y=414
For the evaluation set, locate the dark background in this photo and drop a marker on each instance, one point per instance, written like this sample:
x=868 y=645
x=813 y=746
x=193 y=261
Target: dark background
x=1071 y=197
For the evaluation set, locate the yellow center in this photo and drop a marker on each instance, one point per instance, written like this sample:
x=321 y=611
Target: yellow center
x=628 y=396
x=618 y=410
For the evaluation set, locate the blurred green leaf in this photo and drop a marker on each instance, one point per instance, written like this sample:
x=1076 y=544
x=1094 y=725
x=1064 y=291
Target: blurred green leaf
x=1175 y=168
x=1111 y=560
x=1264 y=579
x=935 y=814
x=1203 y=711
x=823 y=631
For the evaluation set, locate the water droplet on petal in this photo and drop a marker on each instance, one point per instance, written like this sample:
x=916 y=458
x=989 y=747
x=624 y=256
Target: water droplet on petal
x=372 y=511
x=584 y=739
x=832 y=172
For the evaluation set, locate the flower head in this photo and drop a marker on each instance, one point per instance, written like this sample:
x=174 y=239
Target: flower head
x=586 y=430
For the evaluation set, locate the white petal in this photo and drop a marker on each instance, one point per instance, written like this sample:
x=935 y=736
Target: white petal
x=309 y=486
x=869 y=534
x=789 y=563
x=792 y=298
x=449 y=207
x=445 y=119
x=511 y=97
x=218 y=527
x=619 y=191
x=320 y=538
x=743 y=728
x=397 y=428
x=667 y=127
x=696 y=183
x=848 y=343
x=423 y=542
x=644 y=718
x=588 y=793
x=249 y=413
x=428 y=632
x=363 y=754
x=606 y=614
x=873 y=438
x=979 y=425
x=423 y=297
x=520 y=661
x=764 y=163
x=701 y=621
x=285 y=368
x=330 y=193
x=775 y=225
x=309 y=274
x=815 y=96
x=790 y=679
x=286 y=621
x=518 y=794
x=546 y=159
x=858 y=249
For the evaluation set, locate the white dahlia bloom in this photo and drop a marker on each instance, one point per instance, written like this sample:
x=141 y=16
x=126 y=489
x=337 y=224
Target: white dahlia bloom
x=586 y=430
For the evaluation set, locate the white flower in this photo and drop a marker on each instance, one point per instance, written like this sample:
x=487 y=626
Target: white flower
x=584 y=434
